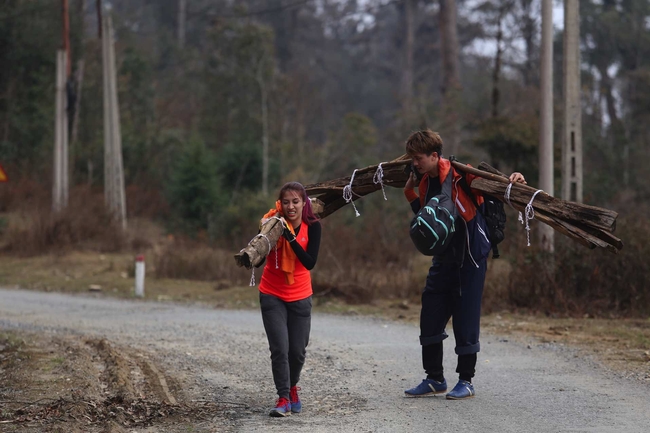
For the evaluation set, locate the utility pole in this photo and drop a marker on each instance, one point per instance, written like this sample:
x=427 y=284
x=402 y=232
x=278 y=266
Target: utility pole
x=572 y=136
x=59 y=184
x=113 y=171
x=546 y=118
x=61 y=126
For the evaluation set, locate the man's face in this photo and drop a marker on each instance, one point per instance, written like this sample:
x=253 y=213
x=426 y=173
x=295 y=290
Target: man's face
x=426 y=163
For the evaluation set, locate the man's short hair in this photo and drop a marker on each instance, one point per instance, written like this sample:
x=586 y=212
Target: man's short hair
x=425 y=141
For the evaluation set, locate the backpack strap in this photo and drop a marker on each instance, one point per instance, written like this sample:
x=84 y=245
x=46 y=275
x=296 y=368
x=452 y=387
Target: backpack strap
x=465 y=186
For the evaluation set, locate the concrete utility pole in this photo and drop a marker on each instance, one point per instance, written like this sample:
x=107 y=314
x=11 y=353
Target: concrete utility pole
x=572 y=136
x=60 y=181
x=63 y=71
x=113 y=171
x=546 y=118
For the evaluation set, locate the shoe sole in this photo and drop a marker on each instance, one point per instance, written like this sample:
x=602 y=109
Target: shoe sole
x=459 y=398
x=276 y=414
x=428 y=394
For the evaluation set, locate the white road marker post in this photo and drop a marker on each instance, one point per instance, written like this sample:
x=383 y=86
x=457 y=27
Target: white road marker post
x=139 y=276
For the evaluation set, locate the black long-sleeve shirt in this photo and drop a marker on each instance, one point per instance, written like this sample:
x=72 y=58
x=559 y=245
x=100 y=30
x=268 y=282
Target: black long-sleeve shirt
x=308 y=258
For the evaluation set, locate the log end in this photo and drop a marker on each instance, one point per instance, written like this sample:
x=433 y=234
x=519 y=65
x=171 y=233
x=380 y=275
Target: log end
x=243 y=260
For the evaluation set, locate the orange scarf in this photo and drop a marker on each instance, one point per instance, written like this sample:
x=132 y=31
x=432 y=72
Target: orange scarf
x=288 y=257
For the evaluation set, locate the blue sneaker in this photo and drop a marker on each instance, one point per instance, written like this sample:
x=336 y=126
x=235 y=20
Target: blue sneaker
x=282 y=408
x=426 y=388
x=296 y=406
x=463 y=389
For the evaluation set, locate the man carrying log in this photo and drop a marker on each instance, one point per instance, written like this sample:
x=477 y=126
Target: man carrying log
x=454 y=285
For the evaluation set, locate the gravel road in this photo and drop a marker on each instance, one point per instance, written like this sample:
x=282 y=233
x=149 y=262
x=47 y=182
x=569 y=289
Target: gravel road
x=355 y=374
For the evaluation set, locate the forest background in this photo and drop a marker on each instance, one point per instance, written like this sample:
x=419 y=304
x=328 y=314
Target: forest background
x=330 y=86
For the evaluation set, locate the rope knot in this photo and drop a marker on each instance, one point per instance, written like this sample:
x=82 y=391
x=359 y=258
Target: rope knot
x=347 y=193
x=378 y=178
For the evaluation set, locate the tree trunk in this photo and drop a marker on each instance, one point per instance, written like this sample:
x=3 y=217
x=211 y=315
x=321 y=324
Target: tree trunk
x=265 y=125
x=450 y=75
x=407 y=70
x=546 y=181
x=182 y=11
x=528 y=30
x=497 y=64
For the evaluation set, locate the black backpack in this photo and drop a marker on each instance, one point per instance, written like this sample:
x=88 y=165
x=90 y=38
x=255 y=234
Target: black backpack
x=433 y=227
x=494 y=215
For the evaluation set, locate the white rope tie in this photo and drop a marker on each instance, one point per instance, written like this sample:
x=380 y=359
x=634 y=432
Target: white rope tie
x=530 y=214
x=347 y=193
x=378 y=178
x=507 y=197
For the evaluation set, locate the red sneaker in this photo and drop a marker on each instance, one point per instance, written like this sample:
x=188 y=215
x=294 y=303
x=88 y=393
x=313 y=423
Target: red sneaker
x=282 y=408
x=296 y=406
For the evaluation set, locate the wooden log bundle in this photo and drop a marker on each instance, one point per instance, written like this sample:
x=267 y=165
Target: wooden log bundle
x=590 y=226
x=365 y=182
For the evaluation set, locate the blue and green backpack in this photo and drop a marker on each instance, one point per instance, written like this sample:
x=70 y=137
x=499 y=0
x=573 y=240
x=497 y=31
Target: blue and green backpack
x=433 y=227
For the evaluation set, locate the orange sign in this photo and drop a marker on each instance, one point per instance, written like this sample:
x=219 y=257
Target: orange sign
x=3 y=175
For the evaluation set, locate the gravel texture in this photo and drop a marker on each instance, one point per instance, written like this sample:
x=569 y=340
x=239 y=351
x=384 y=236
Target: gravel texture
x=355 y=374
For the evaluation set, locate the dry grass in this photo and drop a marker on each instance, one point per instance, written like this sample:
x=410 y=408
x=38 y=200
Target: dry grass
x=111 y=274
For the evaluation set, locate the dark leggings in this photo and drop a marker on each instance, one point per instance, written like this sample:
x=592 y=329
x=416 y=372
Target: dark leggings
x=287 y=326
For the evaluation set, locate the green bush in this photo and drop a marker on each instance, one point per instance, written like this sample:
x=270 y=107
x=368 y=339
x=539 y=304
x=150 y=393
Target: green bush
x=193 y=191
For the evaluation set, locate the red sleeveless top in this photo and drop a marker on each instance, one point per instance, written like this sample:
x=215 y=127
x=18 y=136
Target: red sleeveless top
x=274 y=281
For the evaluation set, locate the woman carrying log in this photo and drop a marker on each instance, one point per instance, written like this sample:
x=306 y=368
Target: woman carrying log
x=286 y=293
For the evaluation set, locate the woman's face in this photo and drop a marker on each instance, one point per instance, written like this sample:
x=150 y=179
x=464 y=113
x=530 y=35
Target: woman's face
x=292 y=205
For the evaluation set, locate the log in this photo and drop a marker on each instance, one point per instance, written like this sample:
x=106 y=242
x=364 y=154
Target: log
x=257 y=249
x=577 y=230
x=596 y=217
x=261 y=245
x=592 y=216
x=331 y=192
x=575 y=233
